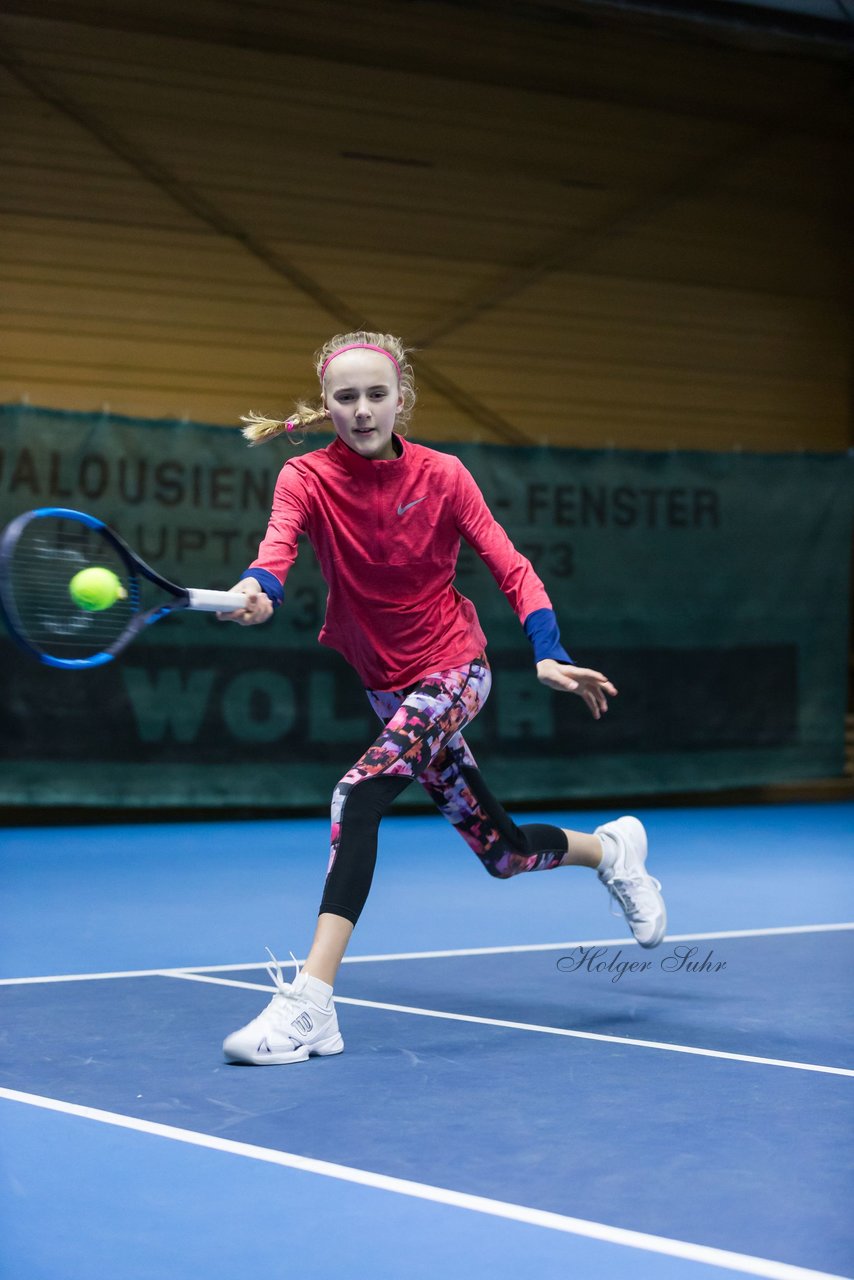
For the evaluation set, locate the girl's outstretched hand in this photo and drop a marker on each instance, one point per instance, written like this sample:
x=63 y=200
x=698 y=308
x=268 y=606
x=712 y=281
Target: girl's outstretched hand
x=259 y=606
x=592 y=686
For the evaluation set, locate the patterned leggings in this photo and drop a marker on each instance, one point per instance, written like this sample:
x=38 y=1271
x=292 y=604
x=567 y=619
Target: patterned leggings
x=422 y=740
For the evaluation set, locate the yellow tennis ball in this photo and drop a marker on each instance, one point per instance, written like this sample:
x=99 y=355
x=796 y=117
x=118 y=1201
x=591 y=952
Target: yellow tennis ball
x=95 y=589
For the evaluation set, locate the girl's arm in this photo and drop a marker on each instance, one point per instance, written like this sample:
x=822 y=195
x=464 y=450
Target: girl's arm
x=514 y=573
x=524 y=590
x=264 y=580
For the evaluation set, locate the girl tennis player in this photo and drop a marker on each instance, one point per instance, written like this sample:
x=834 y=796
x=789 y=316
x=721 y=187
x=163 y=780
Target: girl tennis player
x=385 y=517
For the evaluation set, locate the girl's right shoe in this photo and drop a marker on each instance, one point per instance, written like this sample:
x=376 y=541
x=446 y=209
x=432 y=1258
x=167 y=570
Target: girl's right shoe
x=298 y=1023
x=623 y=873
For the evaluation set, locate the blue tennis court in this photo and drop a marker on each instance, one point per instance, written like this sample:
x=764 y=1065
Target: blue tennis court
x=522 y=1086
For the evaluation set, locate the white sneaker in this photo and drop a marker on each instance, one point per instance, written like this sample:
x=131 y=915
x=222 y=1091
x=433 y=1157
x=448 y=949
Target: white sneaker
x=623 y=873
x=299 y=1021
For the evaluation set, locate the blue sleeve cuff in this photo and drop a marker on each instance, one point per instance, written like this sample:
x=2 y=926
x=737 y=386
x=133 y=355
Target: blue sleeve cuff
x=542 y=631
x=269 y=584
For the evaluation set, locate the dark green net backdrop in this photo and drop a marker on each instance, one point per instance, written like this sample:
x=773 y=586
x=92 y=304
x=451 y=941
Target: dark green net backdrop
x=713 y=589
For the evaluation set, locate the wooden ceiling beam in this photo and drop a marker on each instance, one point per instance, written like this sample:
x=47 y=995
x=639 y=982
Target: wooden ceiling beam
x=206 y=211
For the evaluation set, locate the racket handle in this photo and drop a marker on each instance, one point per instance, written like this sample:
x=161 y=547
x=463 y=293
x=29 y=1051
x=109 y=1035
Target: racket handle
x=215 y=601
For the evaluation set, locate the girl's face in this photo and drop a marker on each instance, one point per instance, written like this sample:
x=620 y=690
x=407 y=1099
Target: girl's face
x=360 y=391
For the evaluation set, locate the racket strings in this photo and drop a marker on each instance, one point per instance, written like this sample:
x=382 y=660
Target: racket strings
x=48 y=554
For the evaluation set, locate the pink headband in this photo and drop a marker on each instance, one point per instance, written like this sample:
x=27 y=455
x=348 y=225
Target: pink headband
x=354 y=346
x=357 y=346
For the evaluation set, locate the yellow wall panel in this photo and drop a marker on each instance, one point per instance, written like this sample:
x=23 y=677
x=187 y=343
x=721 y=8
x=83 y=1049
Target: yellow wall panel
x=608 y=235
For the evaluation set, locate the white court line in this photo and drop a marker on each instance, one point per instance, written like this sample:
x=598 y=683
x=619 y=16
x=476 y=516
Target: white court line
x=442 y=955
x=745 y=1263
x=533 y=1026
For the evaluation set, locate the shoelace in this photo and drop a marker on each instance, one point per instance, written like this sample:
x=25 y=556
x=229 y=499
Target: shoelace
x=281 y=1010
x=620 y=890
x=275 y=971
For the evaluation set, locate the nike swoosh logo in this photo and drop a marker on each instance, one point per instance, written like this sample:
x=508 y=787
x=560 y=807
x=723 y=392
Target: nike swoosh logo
x=401 y=510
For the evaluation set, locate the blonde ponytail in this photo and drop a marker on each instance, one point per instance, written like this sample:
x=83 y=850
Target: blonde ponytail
x=258 y=429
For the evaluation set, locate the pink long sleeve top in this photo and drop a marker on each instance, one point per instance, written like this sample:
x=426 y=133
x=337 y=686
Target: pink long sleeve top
x=387 y=535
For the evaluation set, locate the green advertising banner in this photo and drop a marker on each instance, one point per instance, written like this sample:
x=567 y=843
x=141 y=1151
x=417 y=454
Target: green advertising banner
x=713 y=589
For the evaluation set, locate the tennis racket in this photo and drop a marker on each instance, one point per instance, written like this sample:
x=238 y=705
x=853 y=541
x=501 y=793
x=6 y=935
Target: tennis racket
x=42 y=551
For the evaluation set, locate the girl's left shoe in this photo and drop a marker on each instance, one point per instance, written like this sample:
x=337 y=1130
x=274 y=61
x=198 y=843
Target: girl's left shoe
x=623 y=873
x=299 y=1022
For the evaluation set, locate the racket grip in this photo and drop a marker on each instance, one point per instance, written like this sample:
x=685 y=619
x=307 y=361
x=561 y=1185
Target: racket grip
x=215 y=601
